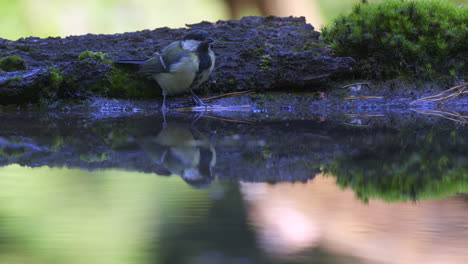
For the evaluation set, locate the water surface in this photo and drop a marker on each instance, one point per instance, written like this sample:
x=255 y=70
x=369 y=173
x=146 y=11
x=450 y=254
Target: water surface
x=127 y=189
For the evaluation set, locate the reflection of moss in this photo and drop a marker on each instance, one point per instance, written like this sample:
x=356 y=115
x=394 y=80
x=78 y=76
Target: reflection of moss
x=14 y=153
x=396 y=37
x=117 y=137
x=265 y=63
x=94 y=157
x=57 y=143
x=15 y=79
x=431 y=166
x=12 y=63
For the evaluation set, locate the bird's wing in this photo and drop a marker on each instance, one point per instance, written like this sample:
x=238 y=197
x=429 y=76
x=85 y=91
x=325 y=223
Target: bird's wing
x=162 y=62
x=153 y=65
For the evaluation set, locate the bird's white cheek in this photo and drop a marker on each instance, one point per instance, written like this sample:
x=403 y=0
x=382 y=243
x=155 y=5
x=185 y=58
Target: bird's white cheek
x=190 y=44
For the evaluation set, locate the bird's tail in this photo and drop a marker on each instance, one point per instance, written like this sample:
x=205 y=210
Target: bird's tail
x=129 y=61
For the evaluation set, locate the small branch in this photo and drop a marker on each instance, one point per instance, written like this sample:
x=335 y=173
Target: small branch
x=363 y=115
x=444 y=114
x=228 y=94
x=355 y=84
x=460 y=89
x=214 y=108
x=352 y=97
x=235 y=120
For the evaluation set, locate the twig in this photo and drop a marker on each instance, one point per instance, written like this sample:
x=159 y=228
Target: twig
x=353 y=97
x=354 y=84
x=229 y=119
x=214 y=108
x=363 y=115
x=437 y=97
x=443 y=114
x=450 y=113
x=228 y=94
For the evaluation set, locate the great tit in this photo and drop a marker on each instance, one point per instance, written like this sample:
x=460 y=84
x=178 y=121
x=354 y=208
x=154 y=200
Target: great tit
x=181 y=66
x=183 y=151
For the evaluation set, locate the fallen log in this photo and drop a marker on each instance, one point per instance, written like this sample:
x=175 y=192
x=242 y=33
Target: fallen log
x=252 y=53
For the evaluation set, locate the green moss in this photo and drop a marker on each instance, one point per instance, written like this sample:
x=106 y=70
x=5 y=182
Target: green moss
x=97 y=56
x=120 y=83
x=312 y=45
x=265 y=63
x=26 y=48
x=55 y=78
x=394 y=37
x=269 y=18
x=12 y=63
x=309 y=46
x=254 y=52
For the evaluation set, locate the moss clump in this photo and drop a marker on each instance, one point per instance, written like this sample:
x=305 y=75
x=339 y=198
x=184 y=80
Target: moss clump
x=97 y=56
x=55 y=78
x=310 y=46
x=26 y=48
x=120 y=83
x=395 y=37
x=265 y=63
x=93 y=157
x=12 y=63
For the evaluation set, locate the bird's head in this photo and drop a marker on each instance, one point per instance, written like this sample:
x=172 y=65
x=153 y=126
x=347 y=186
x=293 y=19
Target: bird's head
x=196 y=40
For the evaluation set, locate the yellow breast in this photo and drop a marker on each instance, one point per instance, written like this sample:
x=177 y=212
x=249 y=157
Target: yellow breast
x=180 y=76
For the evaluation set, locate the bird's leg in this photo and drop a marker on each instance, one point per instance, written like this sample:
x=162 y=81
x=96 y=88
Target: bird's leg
x=164 y=118
x=196 y=99
x=163 y=108
x=198 y=116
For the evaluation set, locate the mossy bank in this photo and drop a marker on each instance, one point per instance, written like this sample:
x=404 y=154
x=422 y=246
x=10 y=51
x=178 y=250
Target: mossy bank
x=418 y=39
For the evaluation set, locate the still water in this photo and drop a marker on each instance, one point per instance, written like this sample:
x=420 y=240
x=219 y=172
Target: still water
x=228 y=190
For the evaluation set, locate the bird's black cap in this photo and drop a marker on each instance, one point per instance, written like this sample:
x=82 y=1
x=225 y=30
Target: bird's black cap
x=199 y=35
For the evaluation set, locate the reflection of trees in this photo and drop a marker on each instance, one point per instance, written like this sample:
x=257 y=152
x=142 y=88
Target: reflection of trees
x=407 y=166
x=377 y=232
x=224 y=236
x=73 y=216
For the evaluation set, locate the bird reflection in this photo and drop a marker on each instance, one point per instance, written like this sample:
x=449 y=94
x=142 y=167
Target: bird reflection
x=183 y=151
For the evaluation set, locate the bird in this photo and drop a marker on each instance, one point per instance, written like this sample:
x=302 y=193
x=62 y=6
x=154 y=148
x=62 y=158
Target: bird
x=179 y=149
x=181 y=66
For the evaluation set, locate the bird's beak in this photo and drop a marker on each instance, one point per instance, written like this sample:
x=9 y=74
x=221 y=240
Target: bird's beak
x=209 y=40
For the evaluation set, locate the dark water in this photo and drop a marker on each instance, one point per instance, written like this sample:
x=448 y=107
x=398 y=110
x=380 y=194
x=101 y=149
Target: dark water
x=227 y=189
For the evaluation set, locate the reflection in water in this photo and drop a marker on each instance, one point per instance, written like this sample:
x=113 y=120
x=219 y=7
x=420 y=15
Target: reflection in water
x=182 y=150
x=423 y=232
x=110 y=212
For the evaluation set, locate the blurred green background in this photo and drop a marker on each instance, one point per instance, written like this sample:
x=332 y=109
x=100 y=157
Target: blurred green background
x=58 y=215
x=24 y=18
